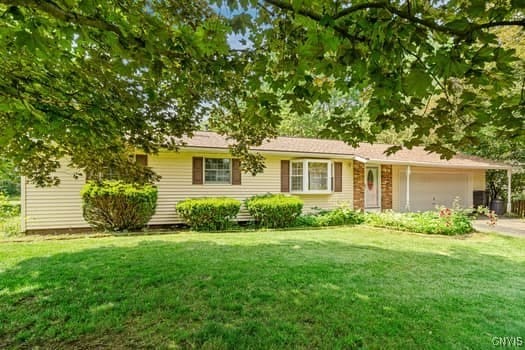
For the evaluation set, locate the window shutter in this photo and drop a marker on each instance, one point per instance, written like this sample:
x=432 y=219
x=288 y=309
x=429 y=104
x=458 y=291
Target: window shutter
x=141 y=159
x=285 y=176
x=236 y=172
x=338 y=177
x=197 y=171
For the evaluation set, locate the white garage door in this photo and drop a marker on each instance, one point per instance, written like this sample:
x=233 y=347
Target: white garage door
x=427 y=190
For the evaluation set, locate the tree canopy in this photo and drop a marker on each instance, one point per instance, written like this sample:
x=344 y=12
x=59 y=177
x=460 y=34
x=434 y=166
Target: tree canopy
x=90 y=80
x=9 y=178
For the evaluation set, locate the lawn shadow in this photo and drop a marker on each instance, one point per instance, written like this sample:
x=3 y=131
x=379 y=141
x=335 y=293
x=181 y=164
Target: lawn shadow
x=295 y=293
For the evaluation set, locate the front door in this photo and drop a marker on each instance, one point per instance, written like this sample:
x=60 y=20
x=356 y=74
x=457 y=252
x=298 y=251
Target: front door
x=372 y=187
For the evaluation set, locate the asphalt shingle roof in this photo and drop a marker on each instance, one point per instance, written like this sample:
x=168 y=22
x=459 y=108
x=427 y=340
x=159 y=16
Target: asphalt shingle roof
x=369 y=152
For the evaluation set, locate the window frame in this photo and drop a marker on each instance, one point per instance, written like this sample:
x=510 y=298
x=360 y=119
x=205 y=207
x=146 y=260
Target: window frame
x=301 y=176
x=204 y=182
x=306 y=180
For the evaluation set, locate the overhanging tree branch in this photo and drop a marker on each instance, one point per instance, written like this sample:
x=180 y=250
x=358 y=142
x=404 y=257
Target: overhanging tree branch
x=288 y=6
x=53 y=9
x=359 y=7
x=407 y=15
x=316 y=17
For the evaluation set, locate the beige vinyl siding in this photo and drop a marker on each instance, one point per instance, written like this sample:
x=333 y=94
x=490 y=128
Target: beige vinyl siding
x=176 y=185
x=478 y=180
x=57 y=207
x=61 y=207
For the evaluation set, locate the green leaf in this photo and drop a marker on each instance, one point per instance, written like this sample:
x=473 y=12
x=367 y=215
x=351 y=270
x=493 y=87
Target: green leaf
x=461 y=24
x=476 y=7
x=24 y=38
x=417 y=82
x=327 y=20
x=520 y=4
x=297 y=4
x=15 y=12
x=240 y=23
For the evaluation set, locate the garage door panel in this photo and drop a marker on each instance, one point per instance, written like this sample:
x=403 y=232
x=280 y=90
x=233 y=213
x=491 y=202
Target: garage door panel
x=428 y=190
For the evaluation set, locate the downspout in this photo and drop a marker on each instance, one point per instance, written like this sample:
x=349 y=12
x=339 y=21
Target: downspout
x=407 y=206
x=509 y=190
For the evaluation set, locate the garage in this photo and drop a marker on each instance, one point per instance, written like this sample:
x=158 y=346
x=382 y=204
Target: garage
x=429 y=189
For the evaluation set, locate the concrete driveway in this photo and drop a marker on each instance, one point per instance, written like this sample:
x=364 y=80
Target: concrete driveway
x=506 y=226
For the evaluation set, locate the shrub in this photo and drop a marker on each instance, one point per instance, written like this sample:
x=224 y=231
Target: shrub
x=308 y=220
x=209 y=214
x=274 y=210
x=7 y=208
x=444 y=221
x=339 y=216
x=118 y=206
x=10 y=226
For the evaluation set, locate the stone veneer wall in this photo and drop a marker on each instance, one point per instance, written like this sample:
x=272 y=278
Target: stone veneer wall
x=386 y=186
x=359 y=185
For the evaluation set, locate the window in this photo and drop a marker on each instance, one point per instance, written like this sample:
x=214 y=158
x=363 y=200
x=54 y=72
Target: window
x=318 y=176
x=297 y=176
x=217 y=171
x=311 y=176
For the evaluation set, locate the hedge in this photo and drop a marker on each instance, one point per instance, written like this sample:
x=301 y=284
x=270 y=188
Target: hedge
x=209 y=214
x=118 y=206
x=274 y=210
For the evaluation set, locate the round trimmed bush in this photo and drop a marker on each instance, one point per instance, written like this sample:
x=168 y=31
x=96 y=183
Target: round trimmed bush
x=209 y=214
x=274 y=210
x=118 y=206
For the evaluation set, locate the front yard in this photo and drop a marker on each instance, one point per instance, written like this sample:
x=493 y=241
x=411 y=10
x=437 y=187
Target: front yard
x=348 y=287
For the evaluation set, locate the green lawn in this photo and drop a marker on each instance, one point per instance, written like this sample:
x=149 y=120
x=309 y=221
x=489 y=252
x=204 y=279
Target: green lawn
x=332 y=288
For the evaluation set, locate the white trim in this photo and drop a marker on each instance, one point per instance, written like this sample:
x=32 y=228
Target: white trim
x=361 y=159
x=306 y=179
x=23 y=204
x=378 y=184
